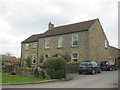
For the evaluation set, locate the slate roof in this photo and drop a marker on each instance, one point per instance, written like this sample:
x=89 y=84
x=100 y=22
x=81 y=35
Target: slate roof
x=65 y=29
x=32 y=38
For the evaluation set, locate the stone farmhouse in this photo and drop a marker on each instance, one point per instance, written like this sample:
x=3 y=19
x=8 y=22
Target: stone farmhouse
x=79 y=41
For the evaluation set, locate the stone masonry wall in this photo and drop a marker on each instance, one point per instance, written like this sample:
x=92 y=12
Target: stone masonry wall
x=30 y=52
x=81 y=49
x=97 y=50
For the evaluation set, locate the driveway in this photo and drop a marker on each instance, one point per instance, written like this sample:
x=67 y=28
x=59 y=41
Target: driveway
x=106 y=79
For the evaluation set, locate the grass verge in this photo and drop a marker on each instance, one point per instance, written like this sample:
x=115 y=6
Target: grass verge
x=6 y=78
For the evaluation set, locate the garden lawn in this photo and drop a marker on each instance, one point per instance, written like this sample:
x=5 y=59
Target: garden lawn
x=18 y=78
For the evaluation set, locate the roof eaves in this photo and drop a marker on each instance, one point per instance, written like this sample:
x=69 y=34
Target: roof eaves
x=62 y=33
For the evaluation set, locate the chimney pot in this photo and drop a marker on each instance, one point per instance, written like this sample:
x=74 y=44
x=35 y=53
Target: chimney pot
x=50 y=25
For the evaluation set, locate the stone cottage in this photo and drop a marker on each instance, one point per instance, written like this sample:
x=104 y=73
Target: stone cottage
x=79 y=41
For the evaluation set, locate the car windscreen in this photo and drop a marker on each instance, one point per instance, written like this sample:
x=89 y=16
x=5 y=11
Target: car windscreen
x=104 y=63
x=85 y=63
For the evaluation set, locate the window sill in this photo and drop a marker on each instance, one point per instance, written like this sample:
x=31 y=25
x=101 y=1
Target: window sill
x=59 y=47
x=34 y=48
x=75 y=46
x=26 y=50
x=47 y=48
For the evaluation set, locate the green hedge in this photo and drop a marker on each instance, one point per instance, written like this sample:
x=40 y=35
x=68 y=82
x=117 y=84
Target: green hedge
x=55 y=67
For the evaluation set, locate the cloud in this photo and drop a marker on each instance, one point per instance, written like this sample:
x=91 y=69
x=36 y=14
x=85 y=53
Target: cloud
x=21 y=18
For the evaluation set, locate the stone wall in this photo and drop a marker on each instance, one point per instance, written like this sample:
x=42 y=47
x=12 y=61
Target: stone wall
x=72 y=68
x=81 y=49
x=28 y=53
x=113 y=53
x=97 y=50
x=25 y=72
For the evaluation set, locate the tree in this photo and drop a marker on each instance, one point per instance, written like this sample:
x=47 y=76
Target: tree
x=28 y=62
x=8 y=54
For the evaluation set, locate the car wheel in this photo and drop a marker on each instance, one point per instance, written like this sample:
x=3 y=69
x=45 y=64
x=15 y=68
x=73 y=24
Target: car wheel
x=115 y=68
x=80 y=72
x=93 y=72
x=110 y=69
x=100 y=71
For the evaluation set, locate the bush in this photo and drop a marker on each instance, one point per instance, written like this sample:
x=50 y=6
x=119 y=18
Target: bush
x=26 y=68
x=10 y=68
x=41 y=59
x=4 y=68
x=55 y=67
x=66 y=56
x=36 y=73
x=28 y=62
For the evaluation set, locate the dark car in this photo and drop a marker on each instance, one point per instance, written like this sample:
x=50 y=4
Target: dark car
x=108 y=65
x=89 y=67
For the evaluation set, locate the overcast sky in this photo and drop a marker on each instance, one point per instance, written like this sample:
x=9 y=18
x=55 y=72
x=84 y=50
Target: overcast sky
x=21 y=18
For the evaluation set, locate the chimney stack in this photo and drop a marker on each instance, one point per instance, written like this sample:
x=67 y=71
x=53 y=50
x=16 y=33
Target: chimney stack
x=50 y=25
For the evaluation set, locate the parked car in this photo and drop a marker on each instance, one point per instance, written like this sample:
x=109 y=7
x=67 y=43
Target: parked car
x=108 y=65
x=89 y=67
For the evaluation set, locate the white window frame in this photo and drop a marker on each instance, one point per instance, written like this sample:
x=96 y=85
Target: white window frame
x=60 y=55
x=46 y=57
x=72 y=58
x=60 y=42
x=34 y=58
x=34 y=45
x=74 y=40
x=47 y=42
x=26 y=46
x=106 y=44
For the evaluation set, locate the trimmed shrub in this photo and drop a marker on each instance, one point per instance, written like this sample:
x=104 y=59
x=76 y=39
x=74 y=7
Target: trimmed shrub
x=55 y=67
x=65 y=56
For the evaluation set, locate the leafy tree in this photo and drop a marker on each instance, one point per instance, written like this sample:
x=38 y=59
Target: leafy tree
x=28 y=62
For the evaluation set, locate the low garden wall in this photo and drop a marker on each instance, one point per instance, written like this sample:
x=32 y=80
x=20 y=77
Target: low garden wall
x=24 y=72
x=72 y=68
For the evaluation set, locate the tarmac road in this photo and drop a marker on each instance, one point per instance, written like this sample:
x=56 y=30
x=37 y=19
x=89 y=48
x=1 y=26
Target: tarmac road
x=106 y=79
